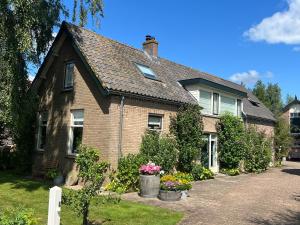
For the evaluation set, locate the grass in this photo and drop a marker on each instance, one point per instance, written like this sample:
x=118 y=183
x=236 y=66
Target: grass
x=16 y=191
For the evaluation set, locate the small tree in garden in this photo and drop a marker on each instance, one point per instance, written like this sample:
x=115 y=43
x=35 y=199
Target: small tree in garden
x=91 y=172
x=160 y=149
x=282 y=139
x=187 y=127
x=231 y=145
x=258 y=151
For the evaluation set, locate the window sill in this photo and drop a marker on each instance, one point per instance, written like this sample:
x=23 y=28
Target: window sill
x=41 y=151
x=67 y=89
x=71 y=156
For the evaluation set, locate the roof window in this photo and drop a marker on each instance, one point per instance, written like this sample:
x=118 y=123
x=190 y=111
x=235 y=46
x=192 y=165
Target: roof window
x=147 y=71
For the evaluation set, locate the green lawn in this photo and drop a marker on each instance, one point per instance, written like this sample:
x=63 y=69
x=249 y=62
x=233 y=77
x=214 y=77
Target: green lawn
x=16 y=191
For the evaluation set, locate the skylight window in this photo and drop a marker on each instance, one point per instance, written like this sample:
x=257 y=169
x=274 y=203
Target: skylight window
x=147 y=71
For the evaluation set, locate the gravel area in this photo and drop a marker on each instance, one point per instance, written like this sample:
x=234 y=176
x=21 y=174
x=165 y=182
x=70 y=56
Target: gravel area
x=270 y=198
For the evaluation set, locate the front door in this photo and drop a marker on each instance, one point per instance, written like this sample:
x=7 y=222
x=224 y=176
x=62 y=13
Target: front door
x=209 y=154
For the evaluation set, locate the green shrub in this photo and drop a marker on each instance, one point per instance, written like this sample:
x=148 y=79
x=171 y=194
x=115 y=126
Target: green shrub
x=51 y=174
x=258 y=151
x=187 y=127
x=184 y=176
x=17 y=216
x=199 y=172
x=160 y=149
x=126 y=178
x=231 y=172
x=231 y=141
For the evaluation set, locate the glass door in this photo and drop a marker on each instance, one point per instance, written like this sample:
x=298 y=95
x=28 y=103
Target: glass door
x=209 y=153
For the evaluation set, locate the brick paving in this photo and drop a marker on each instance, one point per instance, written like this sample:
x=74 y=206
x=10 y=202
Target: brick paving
x=270 y=198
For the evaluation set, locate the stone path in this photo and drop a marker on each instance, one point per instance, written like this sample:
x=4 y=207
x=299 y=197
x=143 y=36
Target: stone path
x=271 y=198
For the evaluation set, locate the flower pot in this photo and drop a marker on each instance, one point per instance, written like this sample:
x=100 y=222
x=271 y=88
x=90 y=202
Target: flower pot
x=59 y=180
x=169 y=195
x=149 y=186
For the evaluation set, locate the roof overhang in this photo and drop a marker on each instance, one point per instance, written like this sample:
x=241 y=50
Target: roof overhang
x=187 y=82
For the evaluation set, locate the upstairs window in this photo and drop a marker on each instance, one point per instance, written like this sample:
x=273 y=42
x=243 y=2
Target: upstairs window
x=42 y=131
x=147 y=71
x=239 y=108
x=228 y=105
x=155 y=122
x=205 y=101
x=76 y=131
x=69 y=76
x=216 y=98
x=295 y=123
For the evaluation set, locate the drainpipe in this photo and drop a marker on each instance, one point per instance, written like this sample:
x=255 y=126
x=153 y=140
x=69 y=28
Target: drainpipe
x=120 y=154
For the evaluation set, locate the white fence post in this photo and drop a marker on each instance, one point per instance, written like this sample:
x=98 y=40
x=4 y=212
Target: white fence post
x=54 y=206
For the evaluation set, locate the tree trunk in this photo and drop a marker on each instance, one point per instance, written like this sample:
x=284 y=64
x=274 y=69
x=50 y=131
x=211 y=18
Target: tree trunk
x=85 y=216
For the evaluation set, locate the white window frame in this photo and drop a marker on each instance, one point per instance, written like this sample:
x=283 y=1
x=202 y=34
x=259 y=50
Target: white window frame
x=211 y=113
x=71 y=86
x=71 y=130
x=161 y=123
x=41 y=119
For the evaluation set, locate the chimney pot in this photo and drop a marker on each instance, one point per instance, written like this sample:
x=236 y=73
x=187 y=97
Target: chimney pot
x=151 y=46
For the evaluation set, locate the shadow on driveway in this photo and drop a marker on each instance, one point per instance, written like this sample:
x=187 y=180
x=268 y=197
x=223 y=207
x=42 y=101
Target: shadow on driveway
x=288 y=218
x=292 y=171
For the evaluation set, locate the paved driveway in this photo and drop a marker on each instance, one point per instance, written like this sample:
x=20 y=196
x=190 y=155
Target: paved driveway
x=269 y=199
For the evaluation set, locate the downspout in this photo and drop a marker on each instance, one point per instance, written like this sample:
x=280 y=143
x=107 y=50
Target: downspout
x=120 y=154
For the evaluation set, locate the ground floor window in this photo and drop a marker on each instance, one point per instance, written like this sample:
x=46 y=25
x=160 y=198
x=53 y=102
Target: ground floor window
x=42 y=131
x=209 y=154
x=155 y=122
x=76 y=131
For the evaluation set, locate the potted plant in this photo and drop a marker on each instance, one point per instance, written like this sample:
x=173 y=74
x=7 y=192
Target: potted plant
x=54 y=175
x=170 y=191
x=149 y=180
x=185 y=179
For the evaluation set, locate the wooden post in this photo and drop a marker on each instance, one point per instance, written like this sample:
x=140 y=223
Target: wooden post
x=54 y=206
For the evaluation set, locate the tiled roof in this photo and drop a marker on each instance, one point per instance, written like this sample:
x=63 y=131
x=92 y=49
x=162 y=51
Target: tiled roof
x=114 y=65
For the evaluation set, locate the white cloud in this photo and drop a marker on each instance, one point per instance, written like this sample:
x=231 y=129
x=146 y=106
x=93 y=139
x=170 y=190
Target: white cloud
x=281 y=27
x=31 y=77
x=296 y=49
x=250 y=77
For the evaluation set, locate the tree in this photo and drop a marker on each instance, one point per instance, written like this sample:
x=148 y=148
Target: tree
x=282 y=140
x=289 y=99
x=91 y=173
x=274 y=100
x=269 y=95
x=26 y=29
x=187 y=127
x=259 y=91
x=231 y=141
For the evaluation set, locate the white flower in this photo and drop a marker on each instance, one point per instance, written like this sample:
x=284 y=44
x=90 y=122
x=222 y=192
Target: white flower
x=162 y=172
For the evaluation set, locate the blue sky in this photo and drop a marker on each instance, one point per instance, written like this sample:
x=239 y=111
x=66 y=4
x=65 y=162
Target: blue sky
x=241 y=40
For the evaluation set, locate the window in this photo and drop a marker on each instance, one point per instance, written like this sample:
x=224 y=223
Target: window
x=155 y=122
x=216 y=104
x=295 y=123
x=239 y=108
x=76 y=130
x=69 y=76
x=147 y=71
x=42 y=131
x=228 y=105
x=205 y=101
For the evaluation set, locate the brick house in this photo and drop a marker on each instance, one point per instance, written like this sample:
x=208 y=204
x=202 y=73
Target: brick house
x=291 y=113
x=105 y=94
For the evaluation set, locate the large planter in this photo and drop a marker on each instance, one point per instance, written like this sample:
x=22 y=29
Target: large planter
x=149 y=186
x=169 y=196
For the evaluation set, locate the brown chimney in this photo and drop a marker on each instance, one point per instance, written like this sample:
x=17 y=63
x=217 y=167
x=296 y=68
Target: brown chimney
x=151 y=46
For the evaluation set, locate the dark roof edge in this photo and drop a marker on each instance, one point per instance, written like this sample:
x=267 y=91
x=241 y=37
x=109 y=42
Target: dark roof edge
x=205 y=81
x=261 y=118
x=146 y=97
x=295 y=101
